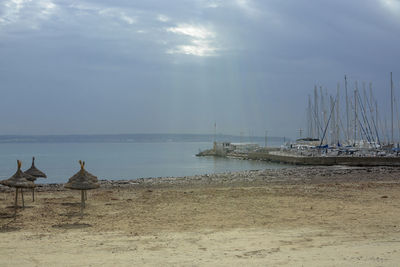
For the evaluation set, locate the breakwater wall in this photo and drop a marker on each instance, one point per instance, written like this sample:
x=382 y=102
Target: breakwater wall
x=349 y=161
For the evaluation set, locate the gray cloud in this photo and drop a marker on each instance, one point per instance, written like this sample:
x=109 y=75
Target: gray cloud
x=172 y=66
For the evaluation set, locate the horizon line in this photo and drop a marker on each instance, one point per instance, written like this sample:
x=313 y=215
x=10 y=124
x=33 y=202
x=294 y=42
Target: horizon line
x=119 y=134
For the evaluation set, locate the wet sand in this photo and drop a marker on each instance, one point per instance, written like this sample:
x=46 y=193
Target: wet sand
x=311 y=216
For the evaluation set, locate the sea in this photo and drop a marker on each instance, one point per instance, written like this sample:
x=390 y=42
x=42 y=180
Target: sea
x=118 y=157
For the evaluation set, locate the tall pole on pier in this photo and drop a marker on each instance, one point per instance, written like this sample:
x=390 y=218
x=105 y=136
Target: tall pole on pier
x=215 y=137
x=266 y=138
x=391 y=104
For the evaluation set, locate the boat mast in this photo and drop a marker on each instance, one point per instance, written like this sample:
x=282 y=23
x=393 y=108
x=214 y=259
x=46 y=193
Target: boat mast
x=355 y=113
x=310 y=118
x=391 y=102
x=337 y=115
x=333 y=124
x=387 y=131
x=373 y=118
x=326 y=105
x=347 y=109
x=316 y=110
x=327 y=123
x=323 y=109
x=365 y=114
x=376 y=115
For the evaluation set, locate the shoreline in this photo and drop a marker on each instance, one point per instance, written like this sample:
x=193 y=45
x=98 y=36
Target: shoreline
x=290 y=176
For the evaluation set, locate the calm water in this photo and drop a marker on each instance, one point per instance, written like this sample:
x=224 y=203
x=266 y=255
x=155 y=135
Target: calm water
x=119 y=160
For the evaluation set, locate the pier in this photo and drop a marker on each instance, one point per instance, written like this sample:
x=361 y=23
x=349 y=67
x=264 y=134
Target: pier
x=276 y=155
x=287 y=158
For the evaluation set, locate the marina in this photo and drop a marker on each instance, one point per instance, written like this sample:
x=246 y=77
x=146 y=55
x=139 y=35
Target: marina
x=350 y=134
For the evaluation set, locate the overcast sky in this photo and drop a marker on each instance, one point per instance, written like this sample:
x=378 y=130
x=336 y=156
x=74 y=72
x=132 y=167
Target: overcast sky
x=155 y=66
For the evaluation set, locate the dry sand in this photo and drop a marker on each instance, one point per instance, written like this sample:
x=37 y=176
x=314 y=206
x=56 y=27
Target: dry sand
x=311 y=216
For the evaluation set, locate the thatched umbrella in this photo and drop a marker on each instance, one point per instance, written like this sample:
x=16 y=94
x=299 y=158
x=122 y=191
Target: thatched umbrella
x=83 y=181
x=35 y=173
x=19 y=180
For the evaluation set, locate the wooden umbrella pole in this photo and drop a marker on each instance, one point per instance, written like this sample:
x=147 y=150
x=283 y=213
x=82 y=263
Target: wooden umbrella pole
x=16 y=197
x=82 y=201
x=16 y=201
x=33 y=194
x=22 y=195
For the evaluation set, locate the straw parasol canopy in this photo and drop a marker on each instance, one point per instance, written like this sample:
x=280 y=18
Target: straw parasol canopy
x=33 y=171
x=82 y=180
x=19 y=179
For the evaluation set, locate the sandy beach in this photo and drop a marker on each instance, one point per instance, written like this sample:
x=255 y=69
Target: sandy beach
x=311 y=216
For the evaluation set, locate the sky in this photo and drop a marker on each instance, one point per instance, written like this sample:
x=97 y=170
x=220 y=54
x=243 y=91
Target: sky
x=180 y=66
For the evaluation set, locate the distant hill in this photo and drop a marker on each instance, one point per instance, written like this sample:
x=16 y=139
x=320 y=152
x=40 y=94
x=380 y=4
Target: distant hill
x=132 y=138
